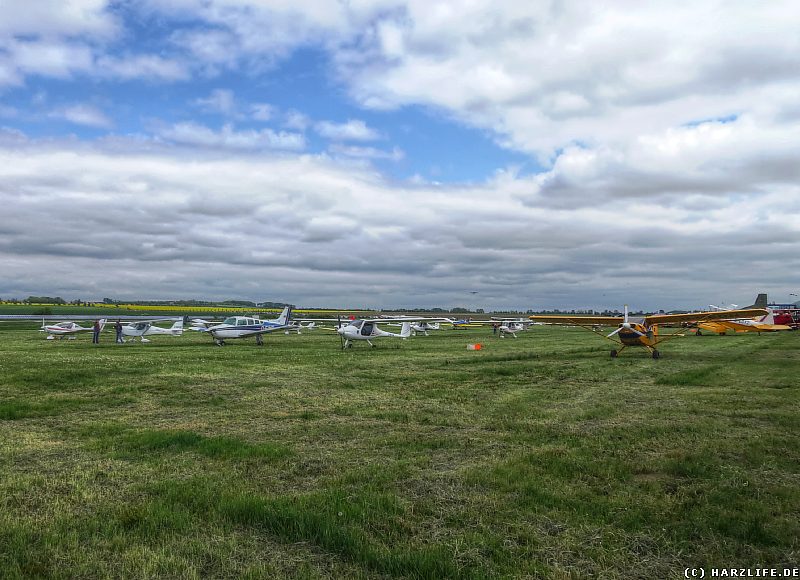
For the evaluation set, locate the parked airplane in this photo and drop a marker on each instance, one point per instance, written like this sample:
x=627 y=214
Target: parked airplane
x=244 y=327
x=368 y=330
x=643 y=331
x=297 y=326
x=422 y=326
x=765 y=323
x=147 y=328
x=66 y=328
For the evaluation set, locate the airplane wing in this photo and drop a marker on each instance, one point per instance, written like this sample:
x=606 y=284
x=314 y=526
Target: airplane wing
x=407 y=319
x=757 y=327
x=704 y=316
x=578 y=320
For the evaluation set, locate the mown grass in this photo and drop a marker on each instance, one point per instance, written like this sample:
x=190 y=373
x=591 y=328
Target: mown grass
x=536 y=457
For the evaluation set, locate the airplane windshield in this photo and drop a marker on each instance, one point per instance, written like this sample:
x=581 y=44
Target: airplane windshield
x=231 y=321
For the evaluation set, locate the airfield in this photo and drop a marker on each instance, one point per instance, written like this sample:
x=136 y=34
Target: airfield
x=534 y=457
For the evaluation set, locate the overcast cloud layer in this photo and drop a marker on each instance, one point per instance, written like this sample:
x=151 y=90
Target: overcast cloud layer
x=664 y=143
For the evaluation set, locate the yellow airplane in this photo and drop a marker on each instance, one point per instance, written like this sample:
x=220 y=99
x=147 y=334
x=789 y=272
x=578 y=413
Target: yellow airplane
x=765 y=323
x=643 y=331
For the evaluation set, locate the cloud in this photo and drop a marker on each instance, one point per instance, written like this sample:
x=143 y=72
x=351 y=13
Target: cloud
x=141 y=66
x=313 y=231
x=352 y=130
x=296 y=120
x=83 y=114
x=219 y=101
x=227 y=137
x=262 y=111
x=396 y=154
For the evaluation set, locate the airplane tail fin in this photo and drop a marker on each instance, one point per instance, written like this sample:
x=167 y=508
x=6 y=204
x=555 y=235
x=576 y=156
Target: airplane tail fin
x=761 y=302
x=177 y=328
x=405 y=330
x=102 y=323
x=285 y=316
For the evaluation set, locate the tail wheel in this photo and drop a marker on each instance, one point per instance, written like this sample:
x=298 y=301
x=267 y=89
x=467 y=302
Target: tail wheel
x=614 y=353
x=656 y=354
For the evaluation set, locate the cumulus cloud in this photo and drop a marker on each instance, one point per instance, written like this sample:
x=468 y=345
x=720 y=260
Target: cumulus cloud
x=219 y=101
x=351 y=130
x=313 y=231
x=83 y=114
x=227 y=137
x=355 y=151
x=668 y=136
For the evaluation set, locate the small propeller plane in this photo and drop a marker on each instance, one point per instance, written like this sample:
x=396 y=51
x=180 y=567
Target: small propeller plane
x=643 y=331
x=66 y=329
x=765 y=323
x=244 y=327
x=148 y=328
x=510 y=325
x=368 y=330
x=421 y=326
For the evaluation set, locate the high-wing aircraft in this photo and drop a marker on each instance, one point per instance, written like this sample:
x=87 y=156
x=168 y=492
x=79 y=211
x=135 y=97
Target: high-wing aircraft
x=244 y=327
x=765 y=323
x=368 y=330
x=66 y=328
x=148 y=328
x=643 y=331
x=422 y=326
x=510 y=325
x=298 y=327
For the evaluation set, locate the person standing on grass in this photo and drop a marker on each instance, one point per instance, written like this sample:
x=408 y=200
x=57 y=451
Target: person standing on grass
x=118 y=328
x=96 y=332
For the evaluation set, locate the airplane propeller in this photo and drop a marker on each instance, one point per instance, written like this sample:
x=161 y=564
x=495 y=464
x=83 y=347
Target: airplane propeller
x=625 y=326
x=339 y=330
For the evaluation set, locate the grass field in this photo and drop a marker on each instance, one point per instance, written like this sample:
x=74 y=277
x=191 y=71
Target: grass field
x=538 y=457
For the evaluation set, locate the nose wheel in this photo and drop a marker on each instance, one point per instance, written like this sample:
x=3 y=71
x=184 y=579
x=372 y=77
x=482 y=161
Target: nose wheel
x=656 y=354
x=614 y=353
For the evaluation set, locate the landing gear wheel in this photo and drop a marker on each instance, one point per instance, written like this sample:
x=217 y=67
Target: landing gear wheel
x=698 y=333
x=656 y=354
x=220 y=343
x=614 y=353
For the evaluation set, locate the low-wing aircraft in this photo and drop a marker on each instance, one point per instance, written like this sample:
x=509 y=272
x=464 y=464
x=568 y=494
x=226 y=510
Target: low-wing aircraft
x=67 y=328
x=643 y=331
x=148 y=328
x=244 y=327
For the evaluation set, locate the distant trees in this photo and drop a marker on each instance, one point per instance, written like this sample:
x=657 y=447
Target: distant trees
x=45 y=300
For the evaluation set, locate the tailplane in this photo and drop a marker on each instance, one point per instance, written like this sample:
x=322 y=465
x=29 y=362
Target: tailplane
x=761 y=302
x=285 y=317
x=405 y=330
x=177 y=328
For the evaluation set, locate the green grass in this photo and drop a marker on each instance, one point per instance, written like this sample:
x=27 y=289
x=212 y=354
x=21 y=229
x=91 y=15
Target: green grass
x=536 y=457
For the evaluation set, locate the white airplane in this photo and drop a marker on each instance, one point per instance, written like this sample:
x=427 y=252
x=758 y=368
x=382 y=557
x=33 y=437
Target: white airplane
x=368 y=330
x=510 y=327
x=422 y=326
x=147 y=328
x=297 y=326
x=66 y=328
x=244 y=327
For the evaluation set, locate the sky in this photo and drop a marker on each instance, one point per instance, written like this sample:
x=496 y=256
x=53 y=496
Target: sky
x=388 y=153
